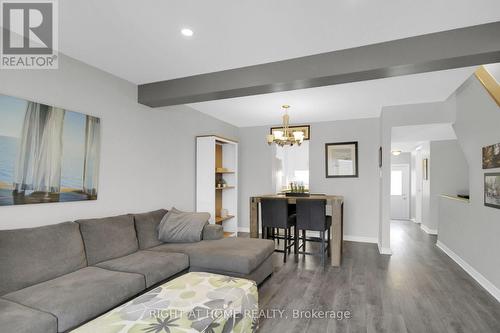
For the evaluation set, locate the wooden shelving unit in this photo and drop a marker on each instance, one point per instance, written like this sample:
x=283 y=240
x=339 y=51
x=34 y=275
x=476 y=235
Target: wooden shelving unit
x=220 y=219
x=217 y=162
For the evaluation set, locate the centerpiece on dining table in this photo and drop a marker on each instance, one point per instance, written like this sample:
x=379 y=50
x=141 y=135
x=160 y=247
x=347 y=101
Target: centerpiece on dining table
x=296 y=189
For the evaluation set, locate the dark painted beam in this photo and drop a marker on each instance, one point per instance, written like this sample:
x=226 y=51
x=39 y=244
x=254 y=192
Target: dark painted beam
x=462 y=47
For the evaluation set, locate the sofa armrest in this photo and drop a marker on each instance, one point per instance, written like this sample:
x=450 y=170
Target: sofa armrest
x=213 y=232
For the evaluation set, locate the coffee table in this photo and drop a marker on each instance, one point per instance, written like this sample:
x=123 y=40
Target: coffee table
x=193 y=302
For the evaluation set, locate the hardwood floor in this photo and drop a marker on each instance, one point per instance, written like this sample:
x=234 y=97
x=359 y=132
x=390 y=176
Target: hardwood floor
x=417 y=289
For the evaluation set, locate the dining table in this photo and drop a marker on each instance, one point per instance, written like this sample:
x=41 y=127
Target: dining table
x=335 y=208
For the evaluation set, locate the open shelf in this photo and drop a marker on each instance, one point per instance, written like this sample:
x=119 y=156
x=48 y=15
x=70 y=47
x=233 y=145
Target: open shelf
x=224 y=188
x=224 y=172
x=229 y=234
x=219 y=219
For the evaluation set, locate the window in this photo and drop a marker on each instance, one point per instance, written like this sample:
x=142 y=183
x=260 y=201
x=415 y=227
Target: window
x=291 y=164
x=396 y=182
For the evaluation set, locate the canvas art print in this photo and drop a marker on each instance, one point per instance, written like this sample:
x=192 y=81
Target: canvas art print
x=492 y=190
x=47 y=154
x=491 y=156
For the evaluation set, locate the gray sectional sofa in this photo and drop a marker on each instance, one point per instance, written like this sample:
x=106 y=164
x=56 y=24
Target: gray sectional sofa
x=56 y=277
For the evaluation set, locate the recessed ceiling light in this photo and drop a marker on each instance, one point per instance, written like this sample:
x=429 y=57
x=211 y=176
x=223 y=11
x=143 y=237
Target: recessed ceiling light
x=187 y=32
x=396 y=152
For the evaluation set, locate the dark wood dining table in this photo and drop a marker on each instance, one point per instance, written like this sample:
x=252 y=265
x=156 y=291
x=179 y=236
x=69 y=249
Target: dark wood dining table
x=336 y=202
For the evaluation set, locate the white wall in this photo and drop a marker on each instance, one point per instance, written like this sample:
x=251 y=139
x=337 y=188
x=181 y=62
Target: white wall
x=449 y=174
x=474 y=235
x=147 y=155
x=413 y=186
x=361 y=194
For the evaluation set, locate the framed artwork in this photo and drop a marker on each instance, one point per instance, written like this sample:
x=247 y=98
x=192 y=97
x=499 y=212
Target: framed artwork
x=491 y=156
x=380 y=157
x=47 y=153
x=341 y=159
x=425 y=168
x=492 y=190
x=306 y=129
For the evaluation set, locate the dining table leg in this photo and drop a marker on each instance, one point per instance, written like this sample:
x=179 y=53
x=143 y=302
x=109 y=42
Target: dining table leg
x=254 y=217
x=337 y=217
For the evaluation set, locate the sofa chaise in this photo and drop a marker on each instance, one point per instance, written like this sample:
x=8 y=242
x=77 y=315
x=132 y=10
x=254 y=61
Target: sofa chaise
x=57 y=277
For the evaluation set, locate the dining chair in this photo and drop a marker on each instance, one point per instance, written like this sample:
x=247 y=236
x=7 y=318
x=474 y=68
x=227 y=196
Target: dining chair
x=275 y=215
x=311 y=216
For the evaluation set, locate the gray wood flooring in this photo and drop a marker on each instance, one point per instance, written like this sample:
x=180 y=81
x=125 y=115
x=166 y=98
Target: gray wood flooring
x=417 y=289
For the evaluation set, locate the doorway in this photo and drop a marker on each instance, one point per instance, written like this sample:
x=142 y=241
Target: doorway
x=400 y=191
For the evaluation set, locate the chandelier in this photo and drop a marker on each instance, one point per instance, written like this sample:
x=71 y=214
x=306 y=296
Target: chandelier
x=285 y=136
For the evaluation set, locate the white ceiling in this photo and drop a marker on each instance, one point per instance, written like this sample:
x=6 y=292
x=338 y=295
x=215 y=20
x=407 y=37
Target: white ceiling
x=406 y=147
x=494 y=70
x=407 y=138
x=345 y=101
x=140 y=41
x=428 y=132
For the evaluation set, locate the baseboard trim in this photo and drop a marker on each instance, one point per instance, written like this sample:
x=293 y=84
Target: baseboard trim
x=360 y=239
x=414 y=220
x=428 y=230
x=243 y=229
x=484 y=282
x=384 y=250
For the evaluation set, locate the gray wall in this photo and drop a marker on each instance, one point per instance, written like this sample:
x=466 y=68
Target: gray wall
x=361 y=194
x=147 y=155
x=473 y=235
x=403 y=115
x=449 y=175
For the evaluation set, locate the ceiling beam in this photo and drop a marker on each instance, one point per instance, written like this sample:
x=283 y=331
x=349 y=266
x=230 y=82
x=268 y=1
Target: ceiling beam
x=450 y=49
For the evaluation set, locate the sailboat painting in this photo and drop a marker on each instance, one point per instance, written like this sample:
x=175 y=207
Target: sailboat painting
x=47 y=154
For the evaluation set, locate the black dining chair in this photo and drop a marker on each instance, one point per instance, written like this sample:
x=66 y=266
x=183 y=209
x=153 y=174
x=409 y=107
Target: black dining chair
x=311 y=216
x=275 y=215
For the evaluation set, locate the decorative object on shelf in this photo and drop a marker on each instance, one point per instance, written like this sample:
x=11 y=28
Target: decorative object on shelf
x=491 y=156
x=288 y=135
x=47 y=153
x=221 y=183
x=341 y=160
x=492 y=190
x=224 y=213
x=425 y=168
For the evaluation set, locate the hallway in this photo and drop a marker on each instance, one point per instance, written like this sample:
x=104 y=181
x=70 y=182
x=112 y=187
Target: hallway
x=417 y=289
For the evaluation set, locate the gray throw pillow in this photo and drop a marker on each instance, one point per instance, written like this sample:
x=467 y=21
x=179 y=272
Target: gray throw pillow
x=182 y=227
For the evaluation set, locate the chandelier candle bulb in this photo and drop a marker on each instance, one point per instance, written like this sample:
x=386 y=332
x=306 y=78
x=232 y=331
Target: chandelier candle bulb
x=286 y=136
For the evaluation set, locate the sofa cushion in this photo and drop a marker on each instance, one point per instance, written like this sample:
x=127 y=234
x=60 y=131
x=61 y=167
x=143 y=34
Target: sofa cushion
x=34 y=255
x=155 y=266
x=21 y=319
x=212 y=232
x=239 y=255
x=108 y=238
x=79 y=296
x=146 y=225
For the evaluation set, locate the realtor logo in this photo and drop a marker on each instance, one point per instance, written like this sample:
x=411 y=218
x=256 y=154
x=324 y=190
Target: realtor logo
x=29 y=34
